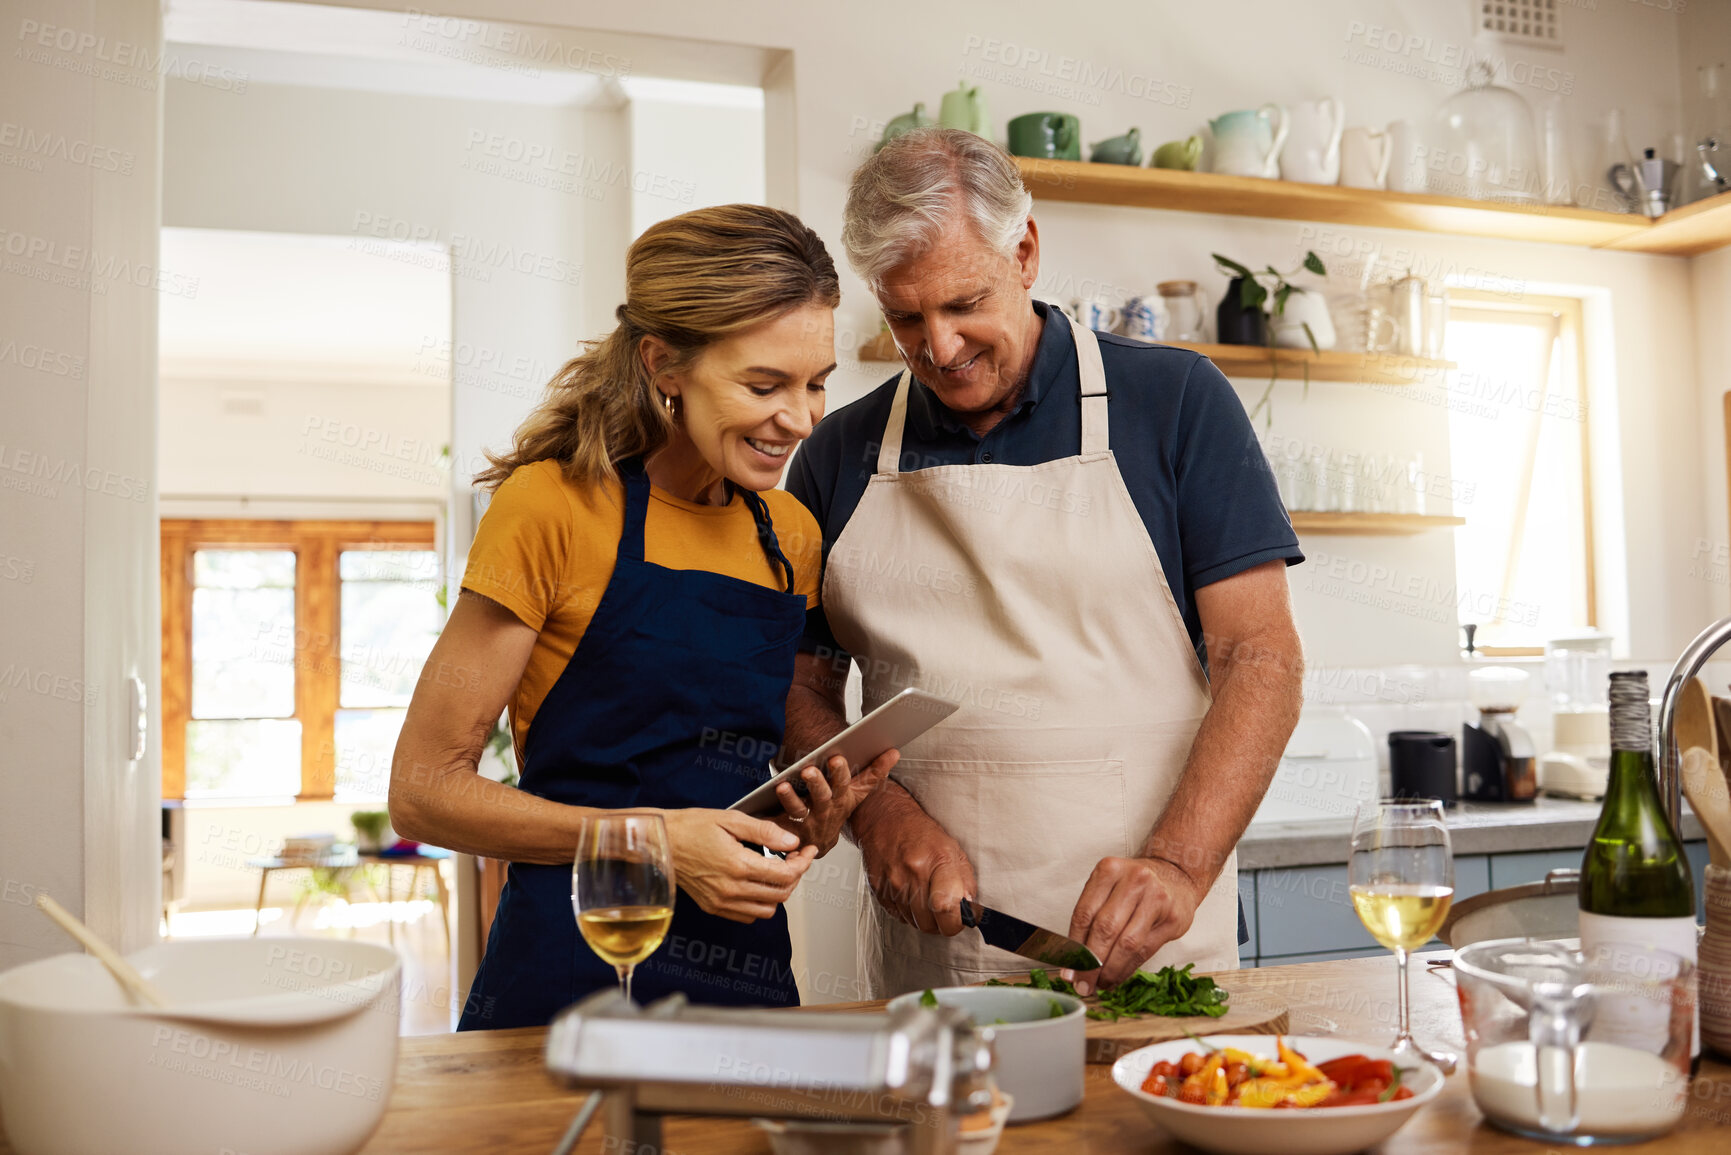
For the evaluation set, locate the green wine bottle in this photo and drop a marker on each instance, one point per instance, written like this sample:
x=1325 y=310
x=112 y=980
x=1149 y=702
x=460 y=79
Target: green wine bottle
x=1636 y=885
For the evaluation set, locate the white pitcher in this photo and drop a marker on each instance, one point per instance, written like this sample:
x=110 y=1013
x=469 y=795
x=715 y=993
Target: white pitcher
x=1304 y=308
x=1248 y=143
x=1312 y=152
x=1364 y=157
x=1406 y=171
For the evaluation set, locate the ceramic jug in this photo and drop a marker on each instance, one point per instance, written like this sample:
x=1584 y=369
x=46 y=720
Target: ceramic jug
x=906 y=122
x=965 y=108
x=1406 y=166
x=1126 y=149
x=1364 y=157
x=1312 y=152
x=1248 y=143
x=1304 y=308
x=1178 y=154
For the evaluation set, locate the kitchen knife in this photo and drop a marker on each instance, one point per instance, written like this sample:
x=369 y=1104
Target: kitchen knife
x=1007 y=932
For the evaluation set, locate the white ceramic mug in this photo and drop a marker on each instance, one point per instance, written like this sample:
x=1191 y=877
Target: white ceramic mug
x=1406 y=158
x=1096 y=314
x=1312 y=153
x=1248 y=143
x=1364 y=157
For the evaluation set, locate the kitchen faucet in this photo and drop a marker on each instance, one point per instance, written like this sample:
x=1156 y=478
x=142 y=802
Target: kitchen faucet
x=1665 y=754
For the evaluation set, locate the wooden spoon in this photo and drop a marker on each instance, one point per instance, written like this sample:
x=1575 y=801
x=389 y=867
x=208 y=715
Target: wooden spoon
x=117 y=966
x=1710 y=798
x=1693 y=724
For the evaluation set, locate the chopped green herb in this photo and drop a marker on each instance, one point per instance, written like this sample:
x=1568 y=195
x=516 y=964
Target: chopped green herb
x=928 y=999
x=1173 y=991
x=1393 y=1086
x=1057 y=1009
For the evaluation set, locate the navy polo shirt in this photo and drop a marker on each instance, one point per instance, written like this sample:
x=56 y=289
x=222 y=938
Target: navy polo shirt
x=1183 y=443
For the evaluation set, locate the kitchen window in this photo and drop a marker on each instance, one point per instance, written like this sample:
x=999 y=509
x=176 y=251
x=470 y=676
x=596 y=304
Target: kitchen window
x=1519 y=458
x=290 y=650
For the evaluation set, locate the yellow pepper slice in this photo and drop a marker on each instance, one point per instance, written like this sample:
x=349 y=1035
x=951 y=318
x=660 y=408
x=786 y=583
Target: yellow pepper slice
x=1203 y=1079
x=1311 y=1095
x=1296 y=1065
x=1217 y=1092
x=1264 y=1092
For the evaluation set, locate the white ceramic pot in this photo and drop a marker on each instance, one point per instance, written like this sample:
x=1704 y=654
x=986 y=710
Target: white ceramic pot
x=273 y=1046
x=1248 y=142
x=1302 y=309
x=1406 y=171
x=1364 y=157
x=1040 y=1060
x=1312 y=153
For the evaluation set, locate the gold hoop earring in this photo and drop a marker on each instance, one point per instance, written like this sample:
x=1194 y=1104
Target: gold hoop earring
x=667 y=403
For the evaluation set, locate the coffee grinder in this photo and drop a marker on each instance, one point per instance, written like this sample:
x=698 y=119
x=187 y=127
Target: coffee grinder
x=1498 y=762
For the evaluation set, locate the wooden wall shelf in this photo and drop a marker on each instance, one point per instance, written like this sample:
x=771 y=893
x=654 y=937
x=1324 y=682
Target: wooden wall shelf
x=880 y=348
x=1696 y=228
x=1329 y=365
x=1371 y=524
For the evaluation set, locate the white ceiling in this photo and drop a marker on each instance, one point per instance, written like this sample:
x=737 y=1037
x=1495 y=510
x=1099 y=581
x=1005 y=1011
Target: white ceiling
x=294 y=307
x=320 y=45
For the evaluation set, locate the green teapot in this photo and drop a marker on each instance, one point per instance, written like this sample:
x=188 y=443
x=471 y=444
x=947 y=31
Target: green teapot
x=965 y=108
x=906 y=122
x=1126 y=149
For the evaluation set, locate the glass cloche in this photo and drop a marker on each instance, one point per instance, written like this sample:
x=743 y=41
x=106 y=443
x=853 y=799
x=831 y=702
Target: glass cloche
x=1483 y=144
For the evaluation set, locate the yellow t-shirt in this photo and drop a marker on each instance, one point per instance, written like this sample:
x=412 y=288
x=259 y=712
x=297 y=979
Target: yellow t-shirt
x=545 y=551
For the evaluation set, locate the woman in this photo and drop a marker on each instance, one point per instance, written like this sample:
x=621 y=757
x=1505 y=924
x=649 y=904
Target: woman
x=636 y=593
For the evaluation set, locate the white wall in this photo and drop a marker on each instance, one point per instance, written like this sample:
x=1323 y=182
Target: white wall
x=78 y=551
x=687 y=153
x=512 y=191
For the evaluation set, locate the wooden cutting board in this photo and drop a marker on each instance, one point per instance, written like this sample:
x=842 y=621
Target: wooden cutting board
x=1248 y=1013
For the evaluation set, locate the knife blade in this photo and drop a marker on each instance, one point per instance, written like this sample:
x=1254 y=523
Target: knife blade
x=1007 y=932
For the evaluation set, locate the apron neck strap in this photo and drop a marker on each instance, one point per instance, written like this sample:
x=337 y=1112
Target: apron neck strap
x=636 y=480
x=1096 y=436
x=767 y=539
x=636 y=507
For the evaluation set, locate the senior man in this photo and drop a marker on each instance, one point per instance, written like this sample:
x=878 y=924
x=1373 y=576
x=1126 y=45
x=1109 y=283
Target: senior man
x=1076 y=535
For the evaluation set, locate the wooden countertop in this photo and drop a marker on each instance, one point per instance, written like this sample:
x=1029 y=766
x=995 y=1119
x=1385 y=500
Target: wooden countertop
x=486 y=1090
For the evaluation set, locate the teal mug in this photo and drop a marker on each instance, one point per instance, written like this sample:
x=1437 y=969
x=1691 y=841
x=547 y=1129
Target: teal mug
x=1053 y=135
x=1126 y=149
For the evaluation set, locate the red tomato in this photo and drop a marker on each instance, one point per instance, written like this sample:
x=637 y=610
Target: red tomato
x=1192 y=1095
x=1164 y=1068
x=1190 y=1063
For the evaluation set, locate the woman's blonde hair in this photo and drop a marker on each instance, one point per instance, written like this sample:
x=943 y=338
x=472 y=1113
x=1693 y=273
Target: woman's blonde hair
x=690 y=281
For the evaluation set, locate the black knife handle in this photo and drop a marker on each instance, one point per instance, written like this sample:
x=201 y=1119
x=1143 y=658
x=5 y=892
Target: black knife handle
x=968 y=917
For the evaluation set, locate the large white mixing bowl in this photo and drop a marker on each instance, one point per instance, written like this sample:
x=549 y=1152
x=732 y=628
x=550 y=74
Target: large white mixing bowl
x=275 y=1046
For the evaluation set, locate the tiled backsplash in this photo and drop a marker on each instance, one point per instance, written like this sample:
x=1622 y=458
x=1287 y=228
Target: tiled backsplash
x=1389 y=698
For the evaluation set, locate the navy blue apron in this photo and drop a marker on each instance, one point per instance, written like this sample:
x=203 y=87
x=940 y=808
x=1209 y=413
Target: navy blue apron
x=675 y=697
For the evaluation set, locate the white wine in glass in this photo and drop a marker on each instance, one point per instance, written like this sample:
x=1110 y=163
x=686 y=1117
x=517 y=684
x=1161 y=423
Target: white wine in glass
x=622 y=888
x=1402 y=880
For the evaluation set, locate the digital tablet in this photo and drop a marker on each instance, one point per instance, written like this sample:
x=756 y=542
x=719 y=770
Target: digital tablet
x=891 y=726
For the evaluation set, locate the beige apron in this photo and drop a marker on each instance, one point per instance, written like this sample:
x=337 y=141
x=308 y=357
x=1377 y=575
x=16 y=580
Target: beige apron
x=1033 y=595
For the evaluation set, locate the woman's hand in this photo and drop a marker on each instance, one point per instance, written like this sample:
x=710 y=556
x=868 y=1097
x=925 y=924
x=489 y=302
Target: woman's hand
x=712 y=865
x=818 y=821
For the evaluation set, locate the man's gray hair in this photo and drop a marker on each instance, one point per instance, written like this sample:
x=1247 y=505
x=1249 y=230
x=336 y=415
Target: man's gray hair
x=905 y=195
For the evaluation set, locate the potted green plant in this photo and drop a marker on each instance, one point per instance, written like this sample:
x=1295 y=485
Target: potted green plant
x=1248 y=313
x=372 y=830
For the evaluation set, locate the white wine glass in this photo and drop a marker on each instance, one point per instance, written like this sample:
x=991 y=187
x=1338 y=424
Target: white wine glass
x=1402 y=880
x=622 y=888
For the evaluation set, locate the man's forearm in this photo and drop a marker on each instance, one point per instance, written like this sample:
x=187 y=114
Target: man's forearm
x=1258 y=690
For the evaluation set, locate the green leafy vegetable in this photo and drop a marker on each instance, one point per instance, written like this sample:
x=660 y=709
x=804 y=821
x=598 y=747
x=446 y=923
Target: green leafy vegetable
x=1173 y=991
x=1057 y=1009
x=928 y=999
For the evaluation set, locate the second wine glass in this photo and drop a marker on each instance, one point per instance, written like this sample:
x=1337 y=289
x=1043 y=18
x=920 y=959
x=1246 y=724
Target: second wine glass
x=622 y=888
x=1402 y=880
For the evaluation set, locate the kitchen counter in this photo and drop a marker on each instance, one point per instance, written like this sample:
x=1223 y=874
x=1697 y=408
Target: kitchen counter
x=487 y=1091
x=1474 y=828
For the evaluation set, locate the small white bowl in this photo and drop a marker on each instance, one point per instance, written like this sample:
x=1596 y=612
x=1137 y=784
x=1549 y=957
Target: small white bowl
x=1255 y=1131
x=272 y=1046
x=1041 y=1059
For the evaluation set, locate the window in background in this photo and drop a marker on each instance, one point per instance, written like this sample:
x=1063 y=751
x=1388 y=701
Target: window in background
x=242 y=737
x=290 y=650
x=1518 y=449
x=390 y=619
